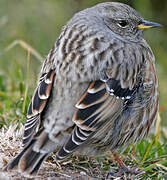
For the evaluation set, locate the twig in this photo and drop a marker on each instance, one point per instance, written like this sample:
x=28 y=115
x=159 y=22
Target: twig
x=27 y=82
x=25 y=46
x=155 y=139
x=158 y=125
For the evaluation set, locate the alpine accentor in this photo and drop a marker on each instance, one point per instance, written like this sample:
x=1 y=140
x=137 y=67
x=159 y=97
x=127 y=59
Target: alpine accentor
x=97 y=89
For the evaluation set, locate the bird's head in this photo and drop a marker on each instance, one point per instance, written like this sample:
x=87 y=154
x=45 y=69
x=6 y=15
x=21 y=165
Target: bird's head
x=123 y=20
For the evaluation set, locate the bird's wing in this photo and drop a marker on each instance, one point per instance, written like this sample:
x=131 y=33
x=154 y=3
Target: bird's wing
x=101 y=103
x=37 y=105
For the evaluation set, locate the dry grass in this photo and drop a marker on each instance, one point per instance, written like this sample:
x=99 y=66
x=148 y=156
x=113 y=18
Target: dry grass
x=10 y=146
x=76 y=167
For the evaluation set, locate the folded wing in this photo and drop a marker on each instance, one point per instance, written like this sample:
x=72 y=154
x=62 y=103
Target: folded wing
x=95 y=108
x=37 y=105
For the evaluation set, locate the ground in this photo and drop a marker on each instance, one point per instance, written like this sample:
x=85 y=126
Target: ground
x=81 y=168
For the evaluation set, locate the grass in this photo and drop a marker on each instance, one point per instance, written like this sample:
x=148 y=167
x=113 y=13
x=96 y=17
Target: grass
x=27 y=33
x=150 y=155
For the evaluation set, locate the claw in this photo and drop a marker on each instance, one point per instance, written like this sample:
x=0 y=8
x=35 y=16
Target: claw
x=123 y=169
x=115 y=175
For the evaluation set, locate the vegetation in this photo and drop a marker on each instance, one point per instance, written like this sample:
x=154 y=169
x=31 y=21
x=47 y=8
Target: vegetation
x=28 y=30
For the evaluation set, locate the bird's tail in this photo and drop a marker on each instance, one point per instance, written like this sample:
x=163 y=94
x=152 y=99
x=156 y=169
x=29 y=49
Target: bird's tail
x=32 y=156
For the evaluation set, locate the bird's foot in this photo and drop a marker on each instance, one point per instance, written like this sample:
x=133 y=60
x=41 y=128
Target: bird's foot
x=122 y=171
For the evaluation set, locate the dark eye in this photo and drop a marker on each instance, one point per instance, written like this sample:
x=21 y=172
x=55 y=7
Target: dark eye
x=122 y=23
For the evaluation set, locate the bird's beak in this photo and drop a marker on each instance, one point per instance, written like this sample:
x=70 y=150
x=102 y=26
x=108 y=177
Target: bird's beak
x=147 y=25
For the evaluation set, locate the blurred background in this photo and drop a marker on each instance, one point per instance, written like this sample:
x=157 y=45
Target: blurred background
x=38 y=23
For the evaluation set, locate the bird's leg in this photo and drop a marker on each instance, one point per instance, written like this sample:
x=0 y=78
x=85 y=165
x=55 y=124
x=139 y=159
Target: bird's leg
x=123 y=168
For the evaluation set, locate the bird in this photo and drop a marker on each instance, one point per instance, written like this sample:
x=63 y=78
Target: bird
x=97 y=89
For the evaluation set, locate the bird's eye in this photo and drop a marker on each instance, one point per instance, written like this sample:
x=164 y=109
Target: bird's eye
x=122 y=23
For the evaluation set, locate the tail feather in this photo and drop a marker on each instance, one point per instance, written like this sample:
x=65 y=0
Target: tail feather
x=28 y=160
x=38 y=164
x=14 y=163
x=32 y=156
x=32 y=161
